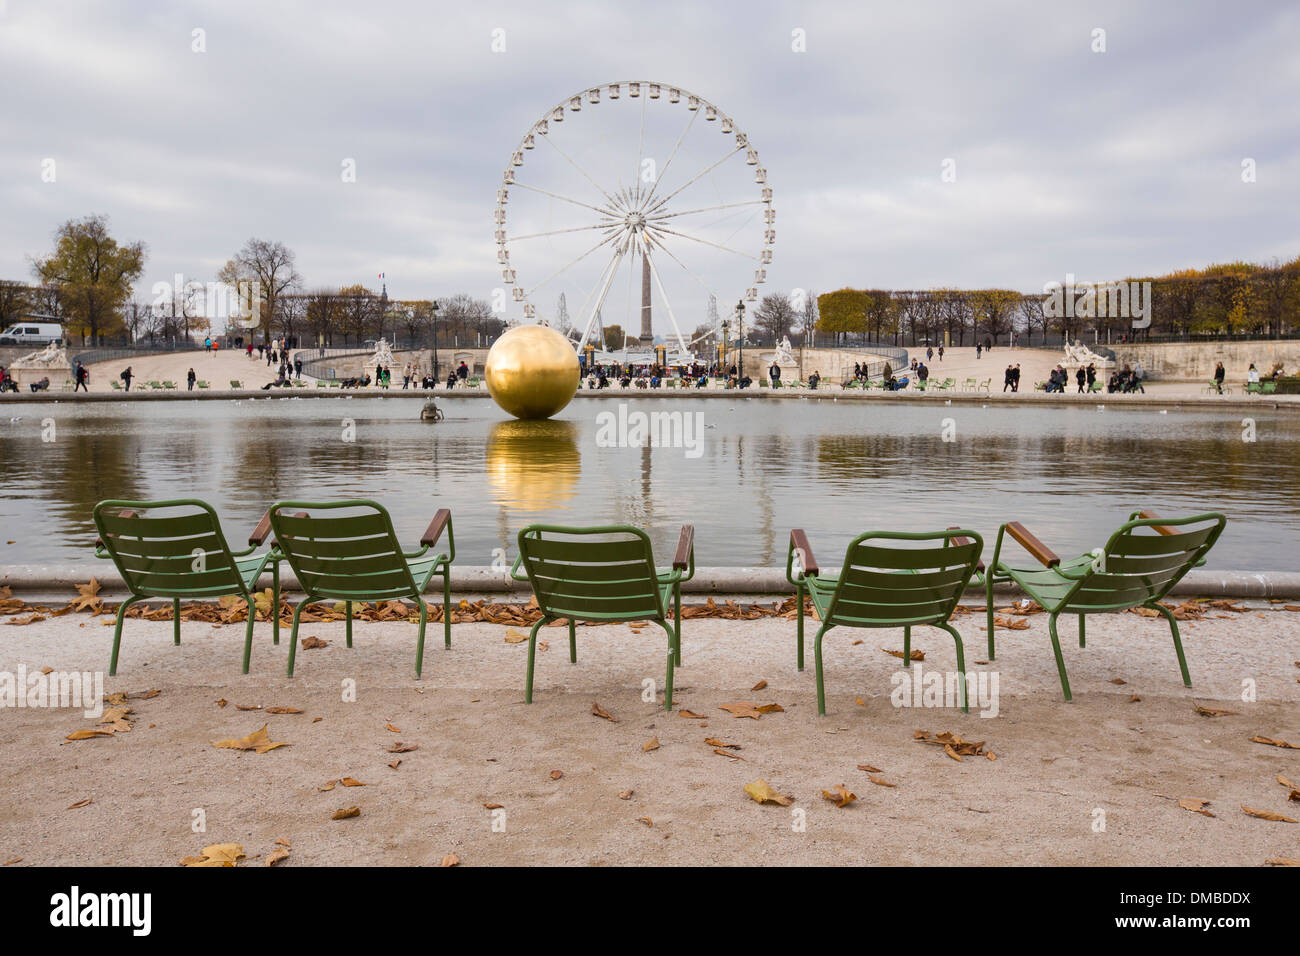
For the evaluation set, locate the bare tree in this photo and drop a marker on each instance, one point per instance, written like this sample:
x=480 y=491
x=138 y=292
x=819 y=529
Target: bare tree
x=774 y=316
x=271 y=266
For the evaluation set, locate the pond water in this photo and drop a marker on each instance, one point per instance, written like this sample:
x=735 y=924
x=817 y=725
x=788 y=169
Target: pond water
x=754 y=470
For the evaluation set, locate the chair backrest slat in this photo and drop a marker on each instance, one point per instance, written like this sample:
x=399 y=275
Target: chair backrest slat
x=346 y=550
x=1143 y=560
x=893 y=578
x=601 y=573
x=171 y=548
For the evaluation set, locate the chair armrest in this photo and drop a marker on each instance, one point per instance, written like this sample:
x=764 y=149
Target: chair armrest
x=799 y=543
x=431 y=534
x=514 y=570
x=962 y=539
x=684 y=559
x=1163 y=529
x=262 y=530
x=1039 y=551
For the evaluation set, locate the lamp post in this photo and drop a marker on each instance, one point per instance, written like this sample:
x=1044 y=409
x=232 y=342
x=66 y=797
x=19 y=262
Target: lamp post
x=740 y=339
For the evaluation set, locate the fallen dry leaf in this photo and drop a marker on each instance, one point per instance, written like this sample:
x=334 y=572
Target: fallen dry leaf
x=839 y=795
x=869 y=769
x=309 y=643
x=625 y=794
x=395 y=764
x=914 y=656
x=761 y=792
x=1195 y=805
x=400 y=748
x=727 y=753
x=1267 y=815
x=715 y=742
x=1273 y=742
x=275 y=856
x=1214 y=712
x=81 y=803
x=351 y=782
x=451 y=859
x=346 y=813
x=651 y=744
x=745 y=708
x=391 y=728
x=88 y=734
x=515 y=637
x=690 y=714
x=219 y=854
x=1282 y=861
x=880 y=781
x=557 y=774
x=598 y=711
x=646 y=820
x=493 y=806
x=258 y=741
x=759 y=686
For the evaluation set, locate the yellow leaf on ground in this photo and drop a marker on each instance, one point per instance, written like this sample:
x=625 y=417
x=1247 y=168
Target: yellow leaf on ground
x=651 y=744
x=760 y=685
x=1195 y=805
x=1214 y=712
x=346 y=813
x=598 y=711
x=451 y=859
x=761 y=792
x=839 y=795
x=746 y=708
x=515 y=637
x=275 y=856
x=1267 y=815
x=258 y=741
x=351 y=782
x=81 y=803
x=219 y=854
x=1274 y=742
x=88 y=734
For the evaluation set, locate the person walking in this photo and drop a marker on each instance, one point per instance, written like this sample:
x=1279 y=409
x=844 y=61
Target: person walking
x=462 y=371
x=940 y=353
x=929 y=354
x=207 y=344
x=1081 y=376
x=1092 y=375
x=297 y=367
x=127 y=375
x=774 y=375
x=1137 y=378
x=1015 y=382
x=978 y=349
x=1219 y=374
x=82 y=377
x=1008 y=377
x=190 y=378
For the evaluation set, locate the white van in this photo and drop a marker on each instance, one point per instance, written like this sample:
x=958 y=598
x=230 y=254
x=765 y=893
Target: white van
x=32 y=333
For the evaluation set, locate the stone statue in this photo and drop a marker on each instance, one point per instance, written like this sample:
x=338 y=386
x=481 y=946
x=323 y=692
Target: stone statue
x=784 y=352
x=1079 y=354
x=383 y=354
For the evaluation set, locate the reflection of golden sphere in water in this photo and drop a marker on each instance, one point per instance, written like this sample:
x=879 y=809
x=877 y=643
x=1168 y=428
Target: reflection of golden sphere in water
x=532 y=371
x=533 y=466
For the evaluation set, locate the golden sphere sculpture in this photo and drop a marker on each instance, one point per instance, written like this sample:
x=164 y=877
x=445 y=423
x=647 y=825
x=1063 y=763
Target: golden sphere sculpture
x=532 y=371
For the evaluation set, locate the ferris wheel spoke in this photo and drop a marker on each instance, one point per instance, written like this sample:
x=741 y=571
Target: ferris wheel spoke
x=672 y=155
x=560 y=232
x=654 y=273
x=716 y=245
x=669 y=253
x=606 y=277
x=604 y=211
x=702 y=173
x=640 y=148
x=691 y=212
x=586 y=174
x=558 y=272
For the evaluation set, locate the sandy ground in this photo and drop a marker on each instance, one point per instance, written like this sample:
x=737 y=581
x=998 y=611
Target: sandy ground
x=1060 y=767
x=216 y=368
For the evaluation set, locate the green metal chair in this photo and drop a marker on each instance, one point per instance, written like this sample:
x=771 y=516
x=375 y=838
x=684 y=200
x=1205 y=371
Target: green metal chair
x=604 y=574
x=1139 y=565
x=175 y=549
x=883 y=584
x=347 y=551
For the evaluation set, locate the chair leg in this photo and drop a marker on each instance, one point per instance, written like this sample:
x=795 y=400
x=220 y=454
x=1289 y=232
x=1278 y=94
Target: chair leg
x=248 y=634
x=532 y=654
x=677 y=622
x=817 y=658
x=419 y=643
x=176 y=621
x=961 y=665
x=349 y=616
x=117 y=633
x=798 y=596
x=275 y=602
x=668 y=675
x=988 y=606
x=573 y=642
x=1178 y=643
x=907 y=645
x=446 y=607
x=1060 y=661
x=293 y=634
x=1083 y=640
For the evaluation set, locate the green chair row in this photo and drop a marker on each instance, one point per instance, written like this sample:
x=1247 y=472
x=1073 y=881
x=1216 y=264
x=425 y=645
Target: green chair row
x=348 y=551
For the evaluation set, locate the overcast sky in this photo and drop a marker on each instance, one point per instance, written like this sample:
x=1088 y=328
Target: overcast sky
x=1123 y=162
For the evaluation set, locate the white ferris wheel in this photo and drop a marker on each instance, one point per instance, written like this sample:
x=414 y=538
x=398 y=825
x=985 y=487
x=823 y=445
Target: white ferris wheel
x=622 y=198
